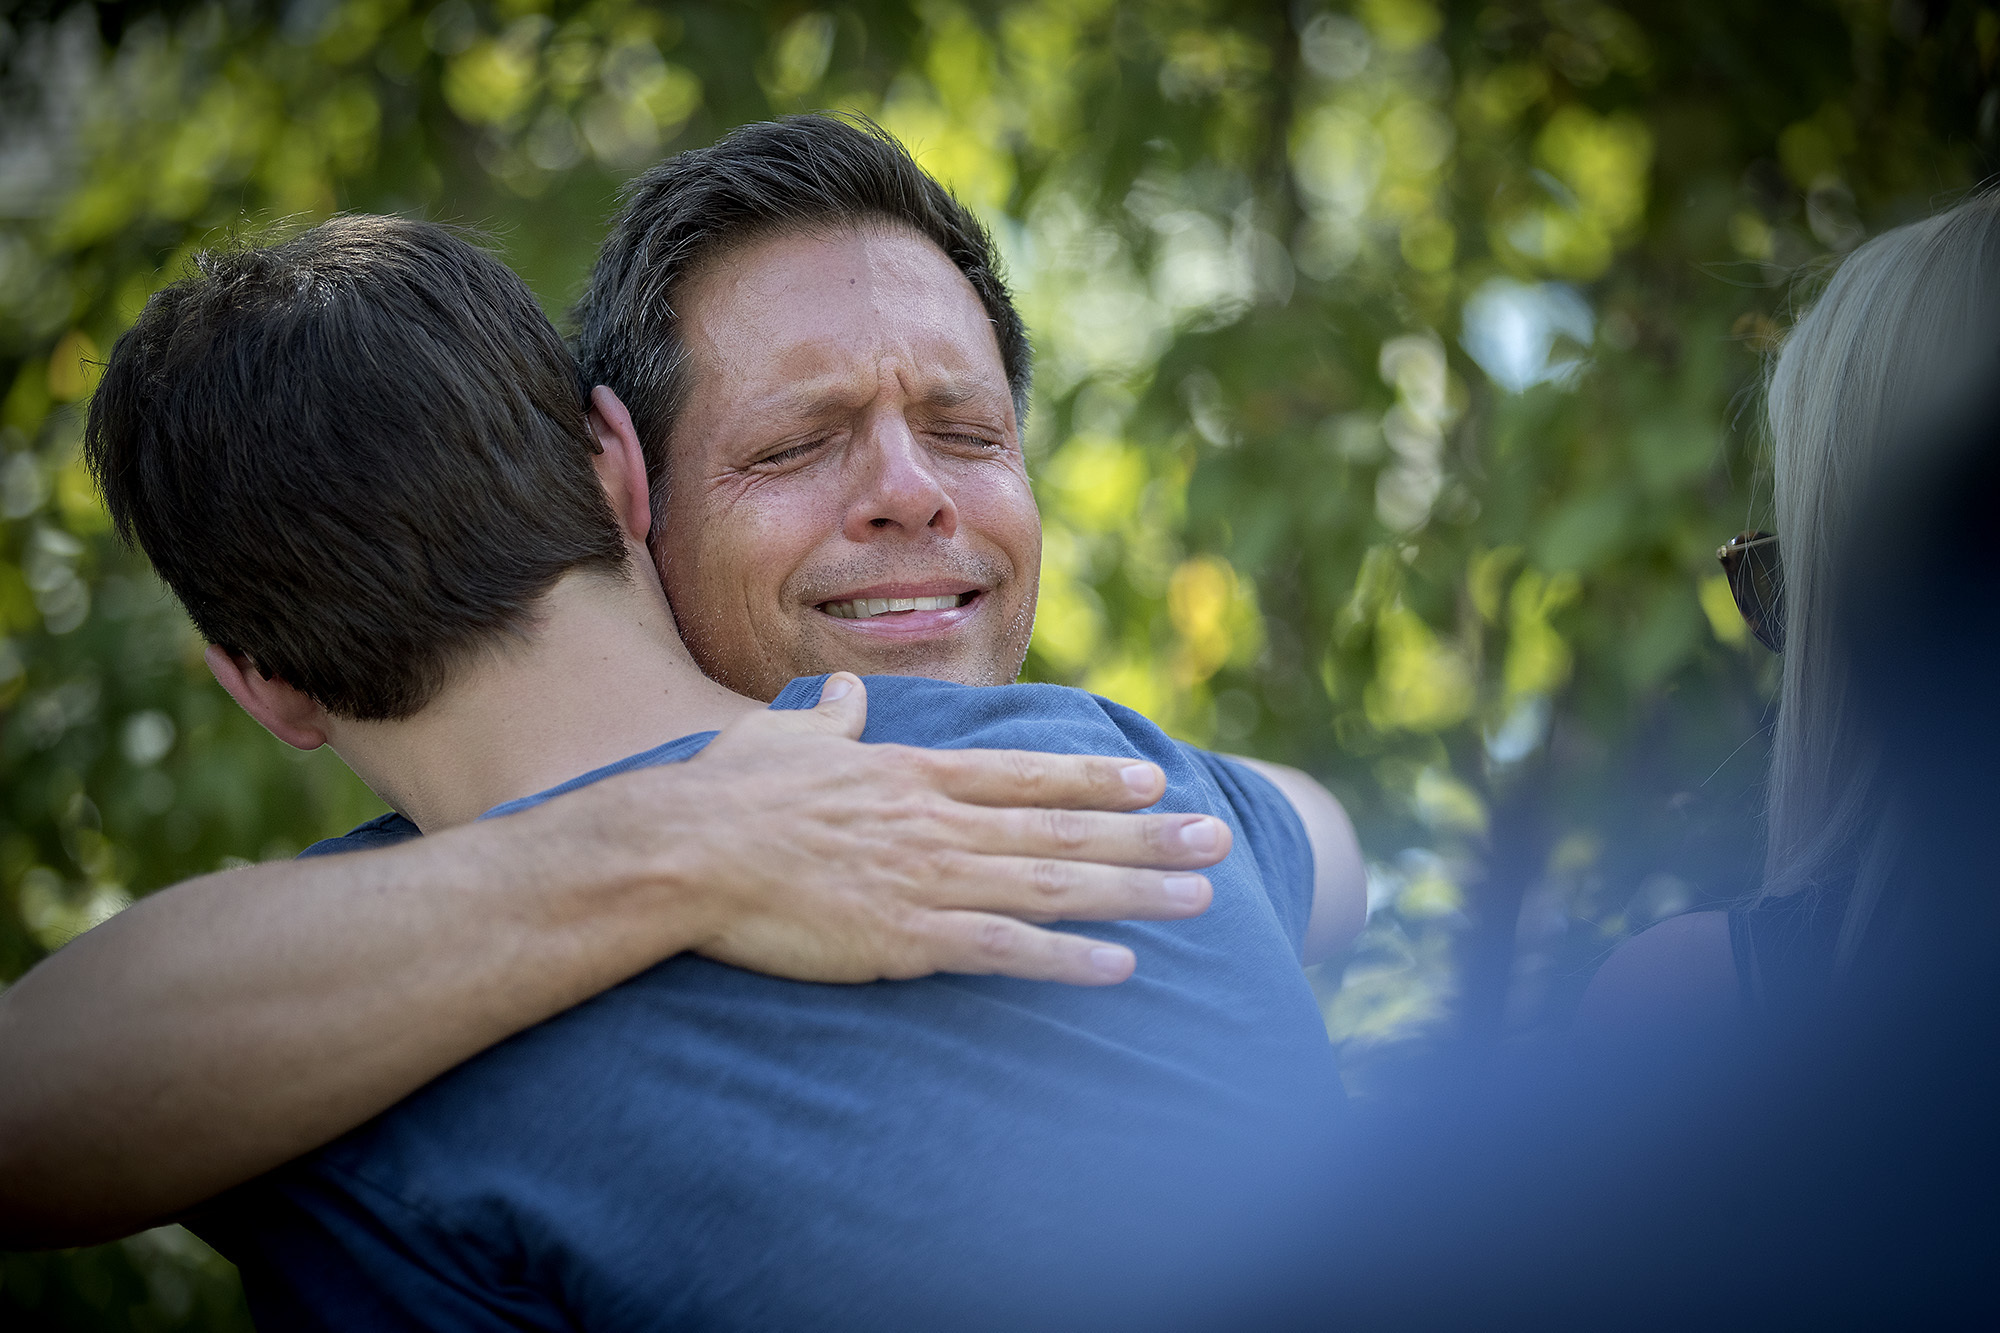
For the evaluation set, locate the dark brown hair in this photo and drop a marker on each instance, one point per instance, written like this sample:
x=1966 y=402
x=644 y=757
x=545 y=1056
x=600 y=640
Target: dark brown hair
x=800 y=172
x=356 y=457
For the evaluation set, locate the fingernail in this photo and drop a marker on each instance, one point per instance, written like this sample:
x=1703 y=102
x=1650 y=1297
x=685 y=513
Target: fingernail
x=1183 y=889
x=1139 y=777
x=1109 y=962
x=835 y=688
x=1199 y=836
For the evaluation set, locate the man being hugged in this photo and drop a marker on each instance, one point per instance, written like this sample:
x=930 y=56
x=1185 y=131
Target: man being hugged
x=362 y=461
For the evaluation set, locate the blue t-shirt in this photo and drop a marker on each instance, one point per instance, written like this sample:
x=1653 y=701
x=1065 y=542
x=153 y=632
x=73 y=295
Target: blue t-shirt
x=708 y=1148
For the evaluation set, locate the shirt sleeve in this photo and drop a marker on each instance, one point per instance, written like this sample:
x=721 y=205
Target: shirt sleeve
x=323 y=1251
x=1275 y=838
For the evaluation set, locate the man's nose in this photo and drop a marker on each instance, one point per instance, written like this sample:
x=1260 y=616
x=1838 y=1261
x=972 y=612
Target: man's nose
x=900 y=485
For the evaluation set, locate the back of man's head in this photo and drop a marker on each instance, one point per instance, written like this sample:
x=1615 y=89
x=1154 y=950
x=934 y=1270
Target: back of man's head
x=356 y=457
x=801 y=173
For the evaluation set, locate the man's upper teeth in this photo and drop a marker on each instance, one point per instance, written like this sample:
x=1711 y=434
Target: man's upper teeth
x=860 y=608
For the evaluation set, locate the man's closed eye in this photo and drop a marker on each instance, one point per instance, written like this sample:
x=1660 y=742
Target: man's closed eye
x=791 y=454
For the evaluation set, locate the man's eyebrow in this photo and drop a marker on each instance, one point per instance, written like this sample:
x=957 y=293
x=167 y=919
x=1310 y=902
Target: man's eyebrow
x=949 y=393
x=815 y=396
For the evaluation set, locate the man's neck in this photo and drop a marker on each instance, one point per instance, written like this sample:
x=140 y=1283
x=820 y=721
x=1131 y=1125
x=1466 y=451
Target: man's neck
x=599 y=676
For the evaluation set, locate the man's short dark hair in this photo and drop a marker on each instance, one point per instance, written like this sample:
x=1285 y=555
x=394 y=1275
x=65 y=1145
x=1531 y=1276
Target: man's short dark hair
x=356 y=457
x=797 y=173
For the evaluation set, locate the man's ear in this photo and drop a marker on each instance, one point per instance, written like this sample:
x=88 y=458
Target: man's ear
x=621 y=464
x=285 y=713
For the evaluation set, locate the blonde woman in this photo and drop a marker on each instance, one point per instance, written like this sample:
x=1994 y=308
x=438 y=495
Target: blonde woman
x=1903 y=329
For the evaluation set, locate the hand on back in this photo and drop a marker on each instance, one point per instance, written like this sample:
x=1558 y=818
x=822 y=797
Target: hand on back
x=854 y=862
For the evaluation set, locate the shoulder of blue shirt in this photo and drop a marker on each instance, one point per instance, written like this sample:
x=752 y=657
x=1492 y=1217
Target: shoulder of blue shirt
x=1271 y=826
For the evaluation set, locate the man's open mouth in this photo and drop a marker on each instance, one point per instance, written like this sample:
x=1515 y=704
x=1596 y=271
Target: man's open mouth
x=865 y=608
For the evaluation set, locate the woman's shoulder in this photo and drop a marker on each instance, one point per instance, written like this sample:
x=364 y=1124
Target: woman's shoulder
x=1768 y=959
x=1678 y=978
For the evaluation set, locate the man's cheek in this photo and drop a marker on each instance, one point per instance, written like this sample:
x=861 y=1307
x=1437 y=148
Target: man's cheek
x=1003 y=508
x=751 y=573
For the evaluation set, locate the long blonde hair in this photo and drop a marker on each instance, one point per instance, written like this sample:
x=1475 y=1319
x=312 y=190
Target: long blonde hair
x=1892 y=338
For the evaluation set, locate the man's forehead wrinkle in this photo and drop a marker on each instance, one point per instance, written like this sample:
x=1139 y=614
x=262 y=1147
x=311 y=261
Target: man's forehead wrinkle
x=823 y=369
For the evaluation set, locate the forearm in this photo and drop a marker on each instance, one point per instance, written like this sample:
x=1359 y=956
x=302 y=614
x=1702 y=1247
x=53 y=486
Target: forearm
x=222 y=1027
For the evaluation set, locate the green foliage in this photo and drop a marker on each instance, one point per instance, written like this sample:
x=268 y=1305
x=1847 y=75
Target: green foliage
x=1289 y=510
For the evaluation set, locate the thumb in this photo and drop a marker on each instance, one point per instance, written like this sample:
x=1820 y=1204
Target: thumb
x=843 y=706
x=841 y=712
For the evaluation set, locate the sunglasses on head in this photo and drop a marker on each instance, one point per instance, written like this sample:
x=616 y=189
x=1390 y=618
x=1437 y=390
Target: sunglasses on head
x=1750 y=562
